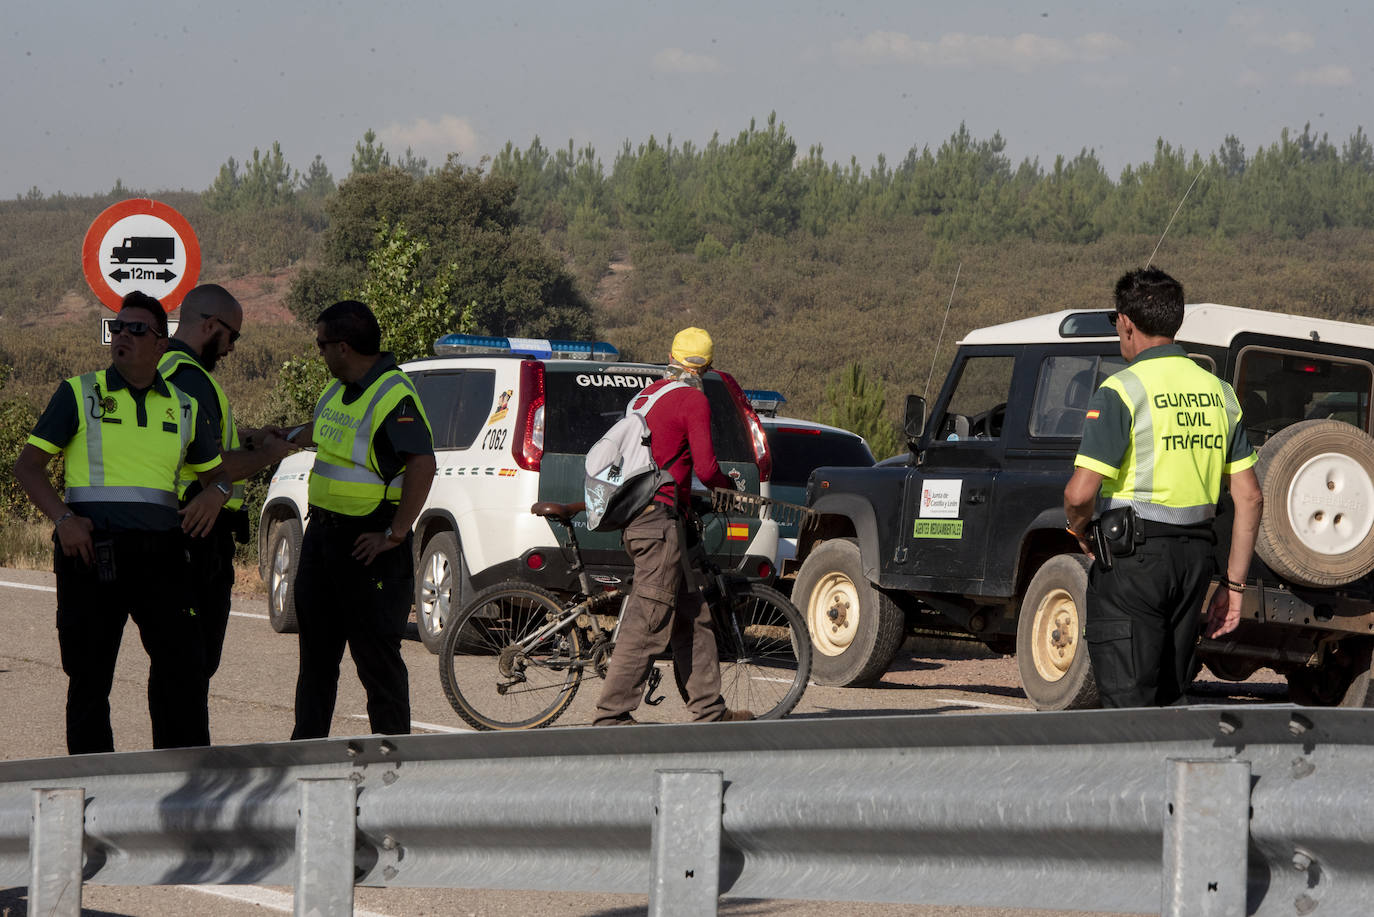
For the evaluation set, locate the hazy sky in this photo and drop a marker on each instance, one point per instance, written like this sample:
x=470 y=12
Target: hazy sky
x=160 y=94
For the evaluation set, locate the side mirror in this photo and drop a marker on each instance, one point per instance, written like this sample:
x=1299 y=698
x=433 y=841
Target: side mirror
x=914 y=420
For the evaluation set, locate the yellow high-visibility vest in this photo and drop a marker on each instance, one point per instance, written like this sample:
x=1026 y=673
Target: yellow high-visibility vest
x=112 y=459
x=1182 y=418
x=345 y=478
x=228 y=430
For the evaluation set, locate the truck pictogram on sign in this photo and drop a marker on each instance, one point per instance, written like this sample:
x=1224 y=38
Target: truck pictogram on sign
x=145 y=248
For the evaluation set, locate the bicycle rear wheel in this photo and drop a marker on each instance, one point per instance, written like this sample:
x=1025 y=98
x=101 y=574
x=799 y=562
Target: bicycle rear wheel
x=765 y=652
x=496 y=676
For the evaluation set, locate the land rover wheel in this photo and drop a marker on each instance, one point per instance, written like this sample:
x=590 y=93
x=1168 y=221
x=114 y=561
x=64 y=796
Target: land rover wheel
x=283 y=564
x=1231 y=668
x=1342 y=680
x=442 y=588
x=856 y=629
x=1317 y=478
x=1050 y=653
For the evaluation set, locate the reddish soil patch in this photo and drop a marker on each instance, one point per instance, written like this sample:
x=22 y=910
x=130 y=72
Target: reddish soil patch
x=263 y=297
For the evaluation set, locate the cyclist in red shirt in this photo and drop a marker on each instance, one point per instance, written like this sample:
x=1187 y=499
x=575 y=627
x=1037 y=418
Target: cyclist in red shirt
x=661 y=610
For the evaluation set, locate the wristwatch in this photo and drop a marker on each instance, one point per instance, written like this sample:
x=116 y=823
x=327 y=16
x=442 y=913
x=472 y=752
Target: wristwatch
x=393 y=537
x=225 y=488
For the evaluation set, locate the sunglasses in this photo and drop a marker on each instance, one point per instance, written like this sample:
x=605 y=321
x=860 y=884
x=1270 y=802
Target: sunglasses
x=137 y=329
x=321 y=343
x=233 y=335
x=1111 y=317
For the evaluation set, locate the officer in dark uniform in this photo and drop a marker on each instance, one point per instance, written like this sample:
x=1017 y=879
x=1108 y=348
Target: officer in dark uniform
x=210 y=325
x=119 y=545
x=373 y=468
x=1159 y=440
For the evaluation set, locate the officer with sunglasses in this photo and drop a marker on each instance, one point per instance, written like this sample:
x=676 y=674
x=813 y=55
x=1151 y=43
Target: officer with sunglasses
x=119 y=537
x=374 y=464
x=209 y=328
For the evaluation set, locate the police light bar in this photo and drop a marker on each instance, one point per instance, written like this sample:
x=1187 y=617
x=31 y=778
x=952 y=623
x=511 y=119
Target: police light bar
x=455 y=344
x=764 y=401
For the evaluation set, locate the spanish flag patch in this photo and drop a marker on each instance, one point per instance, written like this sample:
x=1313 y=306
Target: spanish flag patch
x=737 y=531
x=1093 y=415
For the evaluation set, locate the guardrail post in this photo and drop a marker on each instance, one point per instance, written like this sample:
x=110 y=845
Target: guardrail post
x=1206 y=838
x=685 y=844
x=325 y=844
x=55 y=840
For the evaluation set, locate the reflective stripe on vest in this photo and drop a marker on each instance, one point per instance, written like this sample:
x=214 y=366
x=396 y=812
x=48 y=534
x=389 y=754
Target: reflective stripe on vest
x=143 y=468
x=345 y=478
x=1172 y=470
x=228 y=430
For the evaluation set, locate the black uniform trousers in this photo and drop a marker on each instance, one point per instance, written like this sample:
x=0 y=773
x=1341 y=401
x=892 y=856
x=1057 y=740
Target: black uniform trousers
x=149 y=586
x=1143 y=619
x=340 y=602
x=211 y=585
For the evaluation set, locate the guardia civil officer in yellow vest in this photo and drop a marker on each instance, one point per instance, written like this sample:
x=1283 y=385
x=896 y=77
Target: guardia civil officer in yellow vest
x=119 y=539
x=373 y=467
x=210 y=326
x=1160 y=440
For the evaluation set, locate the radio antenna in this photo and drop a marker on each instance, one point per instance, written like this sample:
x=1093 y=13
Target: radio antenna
x=941 y=338
x=1176 y=210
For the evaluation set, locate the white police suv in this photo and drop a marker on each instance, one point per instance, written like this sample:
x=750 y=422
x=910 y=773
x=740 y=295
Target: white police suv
x=513 y=419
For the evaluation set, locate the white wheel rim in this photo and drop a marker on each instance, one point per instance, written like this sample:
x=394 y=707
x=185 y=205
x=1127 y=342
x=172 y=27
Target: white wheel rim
x=1055 y=639
x=1331 y=504
x=281 y=576
x=832 y=614
x=436 y=593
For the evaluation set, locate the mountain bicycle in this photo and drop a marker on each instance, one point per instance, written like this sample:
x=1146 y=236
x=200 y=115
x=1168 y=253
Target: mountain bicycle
x=516 y=654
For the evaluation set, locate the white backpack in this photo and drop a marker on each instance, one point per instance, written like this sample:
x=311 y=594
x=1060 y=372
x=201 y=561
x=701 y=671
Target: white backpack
x=621 y=475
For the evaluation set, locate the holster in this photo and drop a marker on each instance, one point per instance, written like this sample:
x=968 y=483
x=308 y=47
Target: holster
x=1115 y=533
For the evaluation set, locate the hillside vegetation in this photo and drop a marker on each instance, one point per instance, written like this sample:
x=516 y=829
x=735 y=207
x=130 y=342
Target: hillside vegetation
x=802 y=270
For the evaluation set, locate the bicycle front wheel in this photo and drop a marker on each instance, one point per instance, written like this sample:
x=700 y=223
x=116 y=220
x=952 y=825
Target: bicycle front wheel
x=498 y=672
x=765 y=652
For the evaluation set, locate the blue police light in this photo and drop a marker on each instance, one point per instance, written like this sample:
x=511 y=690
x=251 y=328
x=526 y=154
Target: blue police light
x=764 y=401
x=455 y=344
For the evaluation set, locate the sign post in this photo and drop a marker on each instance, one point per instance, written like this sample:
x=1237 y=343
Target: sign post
x=141 y=245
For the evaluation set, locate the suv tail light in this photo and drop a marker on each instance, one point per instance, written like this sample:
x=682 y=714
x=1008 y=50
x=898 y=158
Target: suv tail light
x=528 y=445
x=762 y=457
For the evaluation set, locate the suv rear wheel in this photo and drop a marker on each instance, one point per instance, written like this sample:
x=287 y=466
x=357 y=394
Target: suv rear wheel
x=1050 y=653
x=856 y=628
x=442 y=588
x=283 y=564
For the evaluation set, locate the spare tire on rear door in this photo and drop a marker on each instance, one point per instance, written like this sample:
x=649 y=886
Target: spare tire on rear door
x=1317 y=477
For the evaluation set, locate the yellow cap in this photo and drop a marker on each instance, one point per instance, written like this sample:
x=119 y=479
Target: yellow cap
x=692 y=347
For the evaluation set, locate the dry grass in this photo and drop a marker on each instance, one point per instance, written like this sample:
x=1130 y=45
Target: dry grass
x=246 y=581
x=26 y=545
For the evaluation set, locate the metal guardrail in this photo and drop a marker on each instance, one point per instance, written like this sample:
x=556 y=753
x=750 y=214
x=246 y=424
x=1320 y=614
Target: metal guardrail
x=1196 y=811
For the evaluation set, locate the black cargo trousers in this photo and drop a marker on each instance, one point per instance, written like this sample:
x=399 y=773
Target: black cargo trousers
x=149 y=585
x=342 y=602
x=1143 y=617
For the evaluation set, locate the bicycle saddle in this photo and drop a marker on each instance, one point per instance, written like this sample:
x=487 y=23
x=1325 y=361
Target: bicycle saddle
x=563 y=512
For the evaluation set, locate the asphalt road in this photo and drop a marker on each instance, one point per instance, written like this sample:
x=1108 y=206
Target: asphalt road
x=251 y=701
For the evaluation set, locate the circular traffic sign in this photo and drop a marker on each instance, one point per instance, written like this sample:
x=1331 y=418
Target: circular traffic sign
x=140 y=245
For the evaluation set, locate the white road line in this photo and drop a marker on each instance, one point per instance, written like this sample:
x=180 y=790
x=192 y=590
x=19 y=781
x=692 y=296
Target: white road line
x=978 y=703
x=431 y=727
x=237 y=614
x=28 y=586
x=261 y=897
